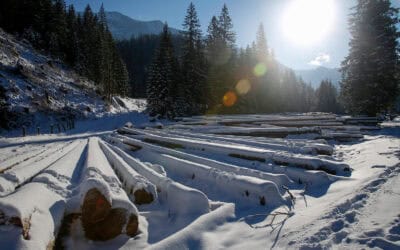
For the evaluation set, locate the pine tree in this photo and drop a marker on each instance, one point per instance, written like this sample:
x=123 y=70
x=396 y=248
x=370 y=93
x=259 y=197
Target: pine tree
x=221 y=59
x=102 y=18
x=261 y=45
x=369 y=83
x=326 y=97
x=71 y=47
x=193 y=62
x=214 y=46
x=58 y=30
x=162 y=82
x=226 y=26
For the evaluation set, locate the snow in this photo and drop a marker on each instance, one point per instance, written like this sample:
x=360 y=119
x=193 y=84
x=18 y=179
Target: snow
x=42 y=214
x=20 y=174
x=308 y=162
x=131 y=179
x=279 y=179
x=172 y=193
x=98 y=174
x=199 y=182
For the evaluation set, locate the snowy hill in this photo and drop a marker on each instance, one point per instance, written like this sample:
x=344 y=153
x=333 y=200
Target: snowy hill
x=124 y=27
x=40 y=90
x=315 y=76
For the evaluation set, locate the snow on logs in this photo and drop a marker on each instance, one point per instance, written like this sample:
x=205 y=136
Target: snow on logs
x=238 y=186
x=279 y=179
x=172 y=193
x=244 y=152
x=38 y=207
x=295 y=146
x=106 y=209
x=139 y=188
x=22 y=173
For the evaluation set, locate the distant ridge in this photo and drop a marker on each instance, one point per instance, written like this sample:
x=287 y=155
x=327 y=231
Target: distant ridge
x=315 y=76
x=123 y=27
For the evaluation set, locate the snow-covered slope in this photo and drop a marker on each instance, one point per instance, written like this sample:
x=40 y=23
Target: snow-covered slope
x=41 y=90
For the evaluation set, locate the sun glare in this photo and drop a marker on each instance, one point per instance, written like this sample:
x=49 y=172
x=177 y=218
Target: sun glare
x=306 y=22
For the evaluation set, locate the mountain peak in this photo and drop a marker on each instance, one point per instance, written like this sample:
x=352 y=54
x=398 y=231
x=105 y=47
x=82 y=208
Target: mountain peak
x=124 y=27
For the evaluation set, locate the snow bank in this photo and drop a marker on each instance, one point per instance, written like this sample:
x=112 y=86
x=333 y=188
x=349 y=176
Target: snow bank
x=192 y=234
x=172 y=193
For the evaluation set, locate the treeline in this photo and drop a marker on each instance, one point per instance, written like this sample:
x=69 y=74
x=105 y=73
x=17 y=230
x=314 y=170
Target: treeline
x=213 y=76
x=138 y=53
x=81 y=40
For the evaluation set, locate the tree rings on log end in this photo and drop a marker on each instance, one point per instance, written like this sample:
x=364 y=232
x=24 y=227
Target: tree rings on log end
x=143 y=197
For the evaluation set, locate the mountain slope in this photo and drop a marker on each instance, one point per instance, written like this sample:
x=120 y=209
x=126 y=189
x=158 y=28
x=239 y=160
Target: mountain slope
x=36 y=89
x=124 y=27
x=315 y=76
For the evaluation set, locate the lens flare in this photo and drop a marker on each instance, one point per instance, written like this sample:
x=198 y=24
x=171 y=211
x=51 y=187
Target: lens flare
x=243 y=87
x=260 y=69
x=229 y=99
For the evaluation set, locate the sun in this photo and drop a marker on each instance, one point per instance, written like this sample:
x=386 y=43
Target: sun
x=307 y=22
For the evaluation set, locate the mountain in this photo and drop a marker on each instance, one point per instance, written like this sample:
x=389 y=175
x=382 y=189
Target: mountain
x=315 y=76
x=124 y=27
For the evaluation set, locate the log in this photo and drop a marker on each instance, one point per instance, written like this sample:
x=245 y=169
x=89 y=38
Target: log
x=140 y=190
x=106 y=209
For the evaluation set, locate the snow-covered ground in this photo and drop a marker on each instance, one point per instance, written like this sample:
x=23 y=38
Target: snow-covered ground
x=298 y=181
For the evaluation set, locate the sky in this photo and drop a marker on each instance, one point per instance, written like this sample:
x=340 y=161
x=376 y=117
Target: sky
x=287 y=25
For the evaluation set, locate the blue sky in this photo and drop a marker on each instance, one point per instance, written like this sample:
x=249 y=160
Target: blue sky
x=246 y=15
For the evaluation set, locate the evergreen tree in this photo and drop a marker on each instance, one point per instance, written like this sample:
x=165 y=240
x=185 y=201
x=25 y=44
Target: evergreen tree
x=162 y=82
x=369 y=82
x=326 y=97
x=221 y=59
x=193 y=62
x=71 y=46
x=261 y=46
x=226 y=26
x=58 y=30
x=215 y=59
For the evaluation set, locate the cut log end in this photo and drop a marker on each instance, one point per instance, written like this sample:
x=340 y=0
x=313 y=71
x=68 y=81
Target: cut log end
x=143 y=197
x=101 y=222
x=108 y=228
x=95 y=207
x=133 y=226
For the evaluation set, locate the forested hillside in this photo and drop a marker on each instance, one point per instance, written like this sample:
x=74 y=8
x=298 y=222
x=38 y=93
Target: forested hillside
x=82 y=41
